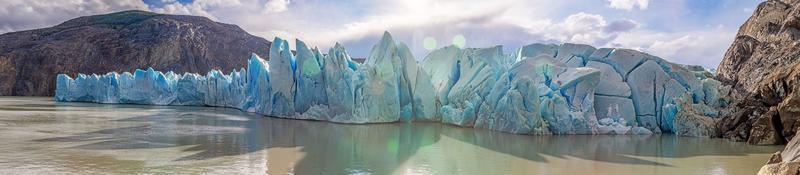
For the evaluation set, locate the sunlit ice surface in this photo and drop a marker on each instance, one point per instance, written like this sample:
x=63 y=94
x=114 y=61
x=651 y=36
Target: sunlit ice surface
x=45 y=137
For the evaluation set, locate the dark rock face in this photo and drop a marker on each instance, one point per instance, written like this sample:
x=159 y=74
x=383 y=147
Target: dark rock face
x=765 y=41
x=763 y=66
x=764 y=131
x=123 y=41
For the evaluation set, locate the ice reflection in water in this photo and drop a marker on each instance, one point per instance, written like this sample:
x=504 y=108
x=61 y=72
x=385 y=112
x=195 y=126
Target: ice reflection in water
x=41 y=136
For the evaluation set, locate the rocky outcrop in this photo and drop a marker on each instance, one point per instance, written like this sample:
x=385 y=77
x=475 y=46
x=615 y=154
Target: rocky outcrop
x=784 y=162
x=766 y=41
x=778 y=110
x=762 y=65
x=123 y=41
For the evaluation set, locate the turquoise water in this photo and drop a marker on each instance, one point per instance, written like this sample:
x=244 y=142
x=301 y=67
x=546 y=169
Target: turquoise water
x=40 y=136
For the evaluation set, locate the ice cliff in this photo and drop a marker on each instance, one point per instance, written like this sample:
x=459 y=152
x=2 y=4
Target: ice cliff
x=540 y=89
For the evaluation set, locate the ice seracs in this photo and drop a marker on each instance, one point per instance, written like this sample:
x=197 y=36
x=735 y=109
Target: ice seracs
x=540 y=89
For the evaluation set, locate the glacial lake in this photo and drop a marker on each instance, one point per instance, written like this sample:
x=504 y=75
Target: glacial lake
x=40 y=136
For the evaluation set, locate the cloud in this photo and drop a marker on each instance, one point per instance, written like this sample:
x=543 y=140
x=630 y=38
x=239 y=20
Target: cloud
x=697 y=48
x=407 y=14
x=629 y=4
x=483 y=23
x=276 y=6
x=16 y=15
x=704 y=48
x=358 y=24
x=197 y=7
x=622 y=25
x=340 y=22
x=580 y=27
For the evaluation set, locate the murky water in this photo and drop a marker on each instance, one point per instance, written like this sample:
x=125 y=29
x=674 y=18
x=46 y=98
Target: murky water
x=39 y=136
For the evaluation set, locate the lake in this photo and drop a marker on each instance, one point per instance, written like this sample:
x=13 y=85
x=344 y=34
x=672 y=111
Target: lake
x=40 y=136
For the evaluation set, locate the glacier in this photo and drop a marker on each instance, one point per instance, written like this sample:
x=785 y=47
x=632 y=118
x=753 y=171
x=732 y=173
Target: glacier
x=539 y=89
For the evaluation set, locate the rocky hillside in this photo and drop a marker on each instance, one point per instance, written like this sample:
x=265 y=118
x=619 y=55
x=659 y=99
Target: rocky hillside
x=122 y=41
x=762 y=66
x=788 y=160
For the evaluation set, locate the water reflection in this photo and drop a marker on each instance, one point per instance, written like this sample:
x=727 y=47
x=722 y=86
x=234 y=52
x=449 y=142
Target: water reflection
x=216 y=132
x=607 y=148
x=311 y=147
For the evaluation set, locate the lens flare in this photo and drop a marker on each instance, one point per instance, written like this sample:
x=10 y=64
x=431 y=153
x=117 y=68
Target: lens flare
x=459 y=41
x=429 y=43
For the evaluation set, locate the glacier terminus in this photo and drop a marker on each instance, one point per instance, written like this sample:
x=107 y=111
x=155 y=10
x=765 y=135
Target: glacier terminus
x=539 y=89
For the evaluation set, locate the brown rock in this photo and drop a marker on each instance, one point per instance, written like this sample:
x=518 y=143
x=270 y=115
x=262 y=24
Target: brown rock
x=766 y=130
x=790 y=168
x=8 y=75
x=123 y=41
x=763 y=67
x=784 y=162
x=755 y=49
x=737 y=125
x=776 y=158
x=789 y=111
x=792 y=151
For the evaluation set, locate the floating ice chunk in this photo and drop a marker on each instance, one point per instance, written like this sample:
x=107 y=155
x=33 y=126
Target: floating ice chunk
x=640 y=131
x=612 y=126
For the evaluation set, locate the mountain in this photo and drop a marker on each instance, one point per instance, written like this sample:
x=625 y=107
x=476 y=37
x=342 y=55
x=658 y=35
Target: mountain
x=763 y=67
x=122 y=41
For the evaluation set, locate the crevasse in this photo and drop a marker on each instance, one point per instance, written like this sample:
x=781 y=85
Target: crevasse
x=540 y=89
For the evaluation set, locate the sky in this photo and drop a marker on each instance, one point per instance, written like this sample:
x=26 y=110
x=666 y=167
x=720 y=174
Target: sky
x=694 y=32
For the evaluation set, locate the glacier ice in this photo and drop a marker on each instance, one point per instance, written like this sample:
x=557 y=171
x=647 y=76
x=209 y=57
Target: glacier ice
x=612 y=84
x=610 y=106
x=540 y=89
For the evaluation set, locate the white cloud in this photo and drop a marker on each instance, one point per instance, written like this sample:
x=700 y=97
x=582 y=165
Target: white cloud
x=18 y=15
x=359 y=23
x=197 y=7
x=5 y=29
x=339 y=22
x=526 y=20
x=629 y=4
x=621 y=25
x=418 y=19
x=406 y=14
x=276 y=6
x=578 y=28
x=581 y=28
x=704 y=48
